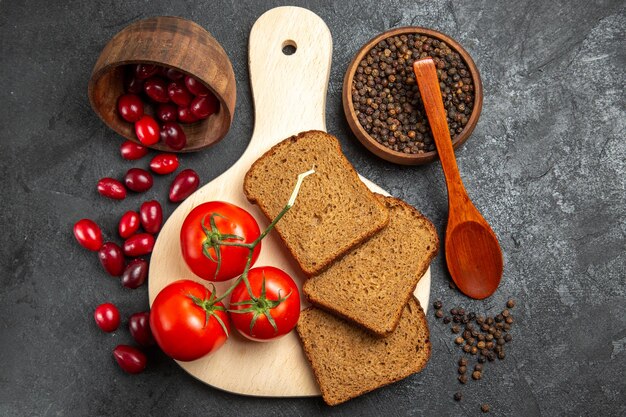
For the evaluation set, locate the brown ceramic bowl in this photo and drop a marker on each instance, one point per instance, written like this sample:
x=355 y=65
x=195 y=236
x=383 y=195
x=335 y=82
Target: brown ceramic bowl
x=371 y=143
x=170 y=42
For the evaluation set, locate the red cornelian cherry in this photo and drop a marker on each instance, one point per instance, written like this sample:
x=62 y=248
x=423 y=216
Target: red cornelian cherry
x=203 y=107
x=185 y=183
x=111 y=188
x=173 y=135
x=131 y=150
x=167 y=112
x=186 y=116
x=132 y=84
x=130 y=107
x=143 y=71
x=147 y=130
x=128 y=224
x=178 y=93
x=195 y=87
x=156 y=89
x=151 y=215
x=138 y=180
x=164 y=163
x=172 y=74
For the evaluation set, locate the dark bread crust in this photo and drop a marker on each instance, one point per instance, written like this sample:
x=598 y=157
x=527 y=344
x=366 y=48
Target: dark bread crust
x=311 y=327
x=249 y=191
x=394 y=307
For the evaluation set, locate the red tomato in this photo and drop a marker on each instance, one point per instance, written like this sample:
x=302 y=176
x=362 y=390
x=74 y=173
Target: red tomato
x=130 y=359
x=107 y=317
x=229 y=220
x=280 y=299
x=138 y=245
x=147 y=130
x=129 y=224
x=88 y=234
x=186 y=322
x=164 y=163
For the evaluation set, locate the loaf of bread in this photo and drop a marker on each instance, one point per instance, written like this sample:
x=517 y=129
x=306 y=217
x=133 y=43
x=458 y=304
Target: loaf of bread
x=334 y=211
x=348 y=361
x=371 y=284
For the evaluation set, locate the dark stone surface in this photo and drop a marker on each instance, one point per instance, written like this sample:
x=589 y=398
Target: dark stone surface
x=546 y=166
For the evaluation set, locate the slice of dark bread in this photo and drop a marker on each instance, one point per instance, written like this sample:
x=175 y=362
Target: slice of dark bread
x=348 y=361
x=334 y=210
x=371 y=284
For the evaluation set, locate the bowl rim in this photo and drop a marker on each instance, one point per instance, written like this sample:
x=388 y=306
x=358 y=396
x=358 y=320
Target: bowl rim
x=368 y=141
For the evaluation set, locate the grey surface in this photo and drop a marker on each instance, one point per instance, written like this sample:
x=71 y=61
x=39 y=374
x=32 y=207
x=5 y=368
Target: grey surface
x=546 y=166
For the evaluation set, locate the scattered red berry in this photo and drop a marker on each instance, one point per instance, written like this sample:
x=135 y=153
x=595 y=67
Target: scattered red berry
x=130 y=359
x=111 y=188
x=185 y=183
x=131 y=150
x=107 y=317
x=138 y=180
x=164 y=163
x=88 y=234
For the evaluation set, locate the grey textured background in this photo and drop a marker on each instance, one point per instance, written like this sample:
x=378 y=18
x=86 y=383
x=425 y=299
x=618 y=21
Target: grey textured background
x=546 y=166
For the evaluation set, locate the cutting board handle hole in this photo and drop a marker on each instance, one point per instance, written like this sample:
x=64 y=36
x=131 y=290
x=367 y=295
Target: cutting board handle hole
x=289 y=47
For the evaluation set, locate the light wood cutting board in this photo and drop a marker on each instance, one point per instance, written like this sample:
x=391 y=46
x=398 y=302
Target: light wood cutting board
x=289 y=94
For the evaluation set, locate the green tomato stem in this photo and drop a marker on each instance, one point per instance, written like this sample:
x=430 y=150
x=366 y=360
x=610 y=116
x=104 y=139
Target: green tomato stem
x=251 y=246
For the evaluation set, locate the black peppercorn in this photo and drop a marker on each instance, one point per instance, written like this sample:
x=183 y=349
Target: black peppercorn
x=463 y=362
x=485 y=408
x=437 y=304
x=438 y=314
x=476 y=375
x=462 y=369
x=463 y=379
x=510 y=303
x=446 y=320
x=458 y=396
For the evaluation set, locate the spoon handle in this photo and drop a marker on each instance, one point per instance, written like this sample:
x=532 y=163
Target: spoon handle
x=428 y=83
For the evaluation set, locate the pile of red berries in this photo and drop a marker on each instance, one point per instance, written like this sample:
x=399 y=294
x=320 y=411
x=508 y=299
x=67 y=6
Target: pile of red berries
x=128 y=261
x=170 y=95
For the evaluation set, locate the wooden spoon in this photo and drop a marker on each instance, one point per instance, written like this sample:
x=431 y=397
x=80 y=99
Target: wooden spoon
x=473 y=254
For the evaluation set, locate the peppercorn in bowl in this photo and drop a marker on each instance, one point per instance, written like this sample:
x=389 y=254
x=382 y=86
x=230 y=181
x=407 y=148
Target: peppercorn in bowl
x=381 y=99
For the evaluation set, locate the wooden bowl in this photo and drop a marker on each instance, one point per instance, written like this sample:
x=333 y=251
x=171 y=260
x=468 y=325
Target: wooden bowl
x=171 y=42
x=378 y=148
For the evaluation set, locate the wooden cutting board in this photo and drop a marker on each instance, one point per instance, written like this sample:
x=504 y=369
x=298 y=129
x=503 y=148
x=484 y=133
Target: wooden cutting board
x=289 y=94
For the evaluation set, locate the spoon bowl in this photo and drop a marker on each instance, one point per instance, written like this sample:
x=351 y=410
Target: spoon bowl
x=473 y=253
